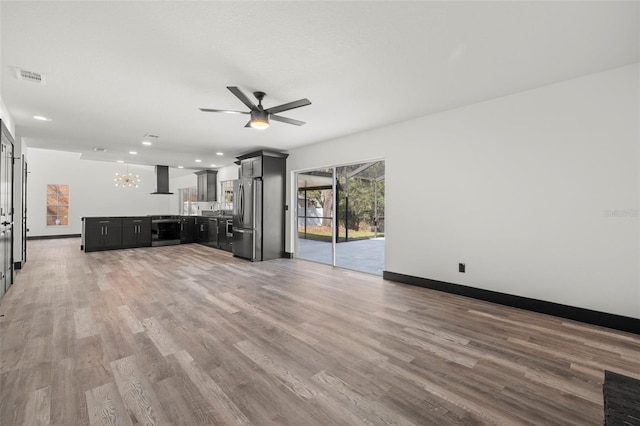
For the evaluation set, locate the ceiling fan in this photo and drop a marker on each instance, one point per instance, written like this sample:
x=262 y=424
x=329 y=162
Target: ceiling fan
x=260 y=116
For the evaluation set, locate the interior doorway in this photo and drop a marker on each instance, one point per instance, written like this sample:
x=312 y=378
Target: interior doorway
x=340 y=216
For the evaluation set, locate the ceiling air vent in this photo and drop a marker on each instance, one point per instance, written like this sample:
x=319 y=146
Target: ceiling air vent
x=96 y=149
x=31 y=76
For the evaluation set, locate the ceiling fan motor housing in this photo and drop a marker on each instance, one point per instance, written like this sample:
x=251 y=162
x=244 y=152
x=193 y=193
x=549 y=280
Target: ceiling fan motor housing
x=259 y=119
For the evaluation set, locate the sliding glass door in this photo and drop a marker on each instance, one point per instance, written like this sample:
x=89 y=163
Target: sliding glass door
x=315 y=215
x=340 y=214
x=360 y=212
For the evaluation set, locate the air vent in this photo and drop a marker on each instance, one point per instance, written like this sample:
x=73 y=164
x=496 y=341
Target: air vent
x=31 y=76
x=150 y=136
x=96 y=149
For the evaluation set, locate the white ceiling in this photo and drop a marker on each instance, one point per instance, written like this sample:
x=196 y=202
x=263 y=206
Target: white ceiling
x=116 y=71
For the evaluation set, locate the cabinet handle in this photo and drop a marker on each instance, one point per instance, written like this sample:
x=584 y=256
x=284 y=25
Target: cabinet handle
x=102 y=230
x=106 y=230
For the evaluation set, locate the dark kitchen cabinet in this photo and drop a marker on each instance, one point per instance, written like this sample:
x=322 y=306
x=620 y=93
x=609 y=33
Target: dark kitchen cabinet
x=101 y=233
x=136 y=232
x=188 y=229
x=202 y=229
x=206 y=185
x=251 y=167
x=212 y=232
x=225 y=235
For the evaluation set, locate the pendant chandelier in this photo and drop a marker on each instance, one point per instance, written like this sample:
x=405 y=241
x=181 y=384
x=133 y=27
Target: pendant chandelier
x=127 y=179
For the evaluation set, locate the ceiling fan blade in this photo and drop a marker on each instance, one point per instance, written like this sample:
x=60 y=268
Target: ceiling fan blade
x=286 y=107
x=245 y=100
x=248 y=124
x=223 y=110
x=286 y=120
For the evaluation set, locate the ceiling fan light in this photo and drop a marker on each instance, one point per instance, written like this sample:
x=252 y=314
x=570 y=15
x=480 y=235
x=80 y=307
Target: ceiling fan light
x=259 y=124
x=259 y=120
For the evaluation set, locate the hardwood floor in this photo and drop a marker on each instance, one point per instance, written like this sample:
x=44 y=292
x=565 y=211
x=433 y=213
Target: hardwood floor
x=189 y=335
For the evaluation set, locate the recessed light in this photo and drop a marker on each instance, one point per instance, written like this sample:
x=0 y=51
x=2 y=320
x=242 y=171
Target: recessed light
x=181 y=167
x=213 y=165
x=219 y=153
x=147 y=143
x=198 y=161
x=120 y=161
x=41 y=118
x=133 y=153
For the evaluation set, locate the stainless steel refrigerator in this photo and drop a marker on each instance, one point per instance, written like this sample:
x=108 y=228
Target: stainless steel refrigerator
x=259 y=206
x=247 y=218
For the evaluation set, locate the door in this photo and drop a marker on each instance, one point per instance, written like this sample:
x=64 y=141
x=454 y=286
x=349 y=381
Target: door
x=6 y=212
x=251 y=167
x=112 y=233
x=93 y=234
x=213 y=232
x=144 y=233
x=243 y=207
x=315 y=207
x=340 y=213
x=130 y=232
x=360 y=241
x=202 y=187
x=243 y=243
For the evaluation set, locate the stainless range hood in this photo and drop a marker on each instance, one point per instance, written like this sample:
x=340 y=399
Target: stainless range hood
x=162 y=180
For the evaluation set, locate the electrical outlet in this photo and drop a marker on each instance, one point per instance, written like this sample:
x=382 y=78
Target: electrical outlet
x=461 y=267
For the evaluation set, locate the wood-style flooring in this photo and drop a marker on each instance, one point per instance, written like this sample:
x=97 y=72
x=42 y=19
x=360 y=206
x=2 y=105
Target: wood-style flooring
x=190 y=335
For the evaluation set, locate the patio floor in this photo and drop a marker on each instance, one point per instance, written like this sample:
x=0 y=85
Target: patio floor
x=361 y=255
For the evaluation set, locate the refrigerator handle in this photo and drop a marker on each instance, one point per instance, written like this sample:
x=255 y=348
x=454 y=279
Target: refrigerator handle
x=240 y=202
x=241 y=212
x=253 y=218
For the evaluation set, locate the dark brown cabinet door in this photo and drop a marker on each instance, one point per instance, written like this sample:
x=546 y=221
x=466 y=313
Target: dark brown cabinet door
x=113 y=234
x=102 y=233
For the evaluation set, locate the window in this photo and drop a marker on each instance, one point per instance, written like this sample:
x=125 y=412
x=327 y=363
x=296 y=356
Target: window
x=188 y=199
x=227 y=191
x=57 y=205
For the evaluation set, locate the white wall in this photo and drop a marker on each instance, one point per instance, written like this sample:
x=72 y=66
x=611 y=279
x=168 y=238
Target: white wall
x=7 y=119
x=231 y=172
x=190 y=180
x=92 y=191
x=536 y=192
